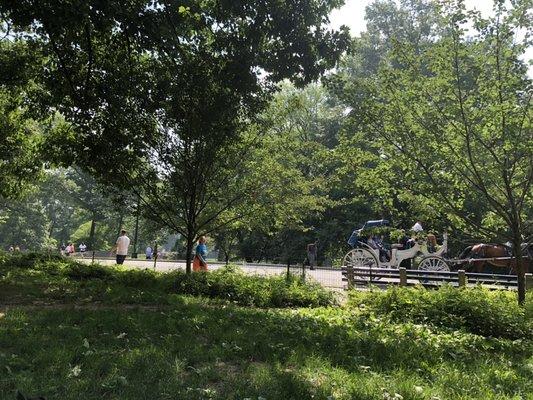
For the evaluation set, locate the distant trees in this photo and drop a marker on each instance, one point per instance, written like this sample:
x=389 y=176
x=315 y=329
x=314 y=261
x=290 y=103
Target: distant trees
x=174 y=102
x=451 y=122
x=157 y=93
x=20 y=134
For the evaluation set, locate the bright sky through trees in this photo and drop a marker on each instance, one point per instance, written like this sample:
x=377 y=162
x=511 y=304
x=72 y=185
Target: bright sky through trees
x=352 y=14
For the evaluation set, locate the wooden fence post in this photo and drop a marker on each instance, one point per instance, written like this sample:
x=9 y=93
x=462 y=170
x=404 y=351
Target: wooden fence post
x=529 y=282
x=462 y=277
x=403 y=277
x=349 y=276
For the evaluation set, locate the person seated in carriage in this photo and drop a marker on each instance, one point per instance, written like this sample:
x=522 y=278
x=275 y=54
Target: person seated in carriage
x=377 y=244
x=356 y=236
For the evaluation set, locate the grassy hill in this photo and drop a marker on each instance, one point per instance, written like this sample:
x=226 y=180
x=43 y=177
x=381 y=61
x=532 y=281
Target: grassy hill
x=69 y=331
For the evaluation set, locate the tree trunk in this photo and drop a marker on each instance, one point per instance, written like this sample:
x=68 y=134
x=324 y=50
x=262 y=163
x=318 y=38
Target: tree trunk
x=120 y=221
x=226 y=257
x=91 y=234
x=188 y=254
x=52 y=228
x=520 y=270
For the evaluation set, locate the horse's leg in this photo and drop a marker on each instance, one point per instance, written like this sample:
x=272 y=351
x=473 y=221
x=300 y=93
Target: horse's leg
x=479 y=266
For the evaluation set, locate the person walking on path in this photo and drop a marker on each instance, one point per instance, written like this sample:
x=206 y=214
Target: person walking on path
x=83 y=249
x=121 y=247
x=200 y=259
x=148 y=252
x=312 y=250
x=67 y=250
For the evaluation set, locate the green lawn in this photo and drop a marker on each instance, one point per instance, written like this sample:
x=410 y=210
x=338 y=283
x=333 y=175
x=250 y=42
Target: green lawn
x=175 y=346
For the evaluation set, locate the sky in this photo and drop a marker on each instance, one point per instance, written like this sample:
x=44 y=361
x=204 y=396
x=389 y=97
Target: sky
x=352 y=14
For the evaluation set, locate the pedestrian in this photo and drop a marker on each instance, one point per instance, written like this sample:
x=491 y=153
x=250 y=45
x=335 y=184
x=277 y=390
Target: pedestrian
x=200 y=259
x=62 y=249
x=312 y=254
x=121 y=247
x=17 y=248
x=11 y=249
x=148 y=252
x=83 y=249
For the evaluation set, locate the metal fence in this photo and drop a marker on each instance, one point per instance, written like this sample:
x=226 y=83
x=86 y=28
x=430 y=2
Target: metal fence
x=327 y=276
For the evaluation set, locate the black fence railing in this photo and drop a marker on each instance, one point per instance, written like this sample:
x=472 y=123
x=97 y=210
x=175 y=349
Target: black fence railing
x=406 y=277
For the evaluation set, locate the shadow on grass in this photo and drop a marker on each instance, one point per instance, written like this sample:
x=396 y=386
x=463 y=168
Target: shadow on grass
x=197 y=350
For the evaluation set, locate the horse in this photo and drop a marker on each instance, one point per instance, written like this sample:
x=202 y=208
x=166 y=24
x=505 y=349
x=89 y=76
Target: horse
x=494 y=250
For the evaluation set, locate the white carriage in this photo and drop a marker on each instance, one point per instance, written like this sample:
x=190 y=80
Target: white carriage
x=365 y=256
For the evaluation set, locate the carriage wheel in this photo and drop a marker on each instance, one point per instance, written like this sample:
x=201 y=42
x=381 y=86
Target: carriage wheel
x=433 y=263
x=360 y=258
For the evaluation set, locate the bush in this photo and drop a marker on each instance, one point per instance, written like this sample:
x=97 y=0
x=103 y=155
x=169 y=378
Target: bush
x=475 y=310
x=29 y=260
x=232 y=284
x=228 y=283
x=141 y=279
x=79 y=271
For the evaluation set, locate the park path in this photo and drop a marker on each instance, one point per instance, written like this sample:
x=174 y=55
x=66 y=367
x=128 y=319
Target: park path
x=327 y=277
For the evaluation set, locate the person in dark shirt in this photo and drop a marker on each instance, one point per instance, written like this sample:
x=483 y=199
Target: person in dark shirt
x=311 y=254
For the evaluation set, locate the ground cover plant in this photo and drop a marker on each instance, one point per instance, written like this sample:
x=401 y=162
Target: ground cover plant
x=54 y=278
x=195 y=347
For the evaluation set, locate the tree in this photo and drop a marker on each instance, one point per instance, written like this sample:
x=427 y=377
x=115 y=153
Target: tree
x=455 y=117
x=19 y=134
x=171 y=85
x=373 y=185
x=23 y=222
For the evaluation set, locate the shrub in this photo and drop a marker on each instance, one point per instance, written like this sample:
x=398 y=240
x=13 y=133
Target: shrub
x=142 y=279
x=232 y=284
x=79 y=271
x=29 y=260
x=228 y=283
x=474 y=310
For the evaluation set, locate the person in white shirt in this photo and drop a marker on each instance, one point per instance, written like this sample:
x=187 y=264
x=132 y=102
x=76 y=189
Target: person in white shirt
x=83 y=249
x=417 y=227
x=121 y=247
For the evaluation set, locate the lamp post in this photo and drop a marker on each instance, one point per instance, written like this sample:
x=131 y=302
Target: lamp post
x=138 y=211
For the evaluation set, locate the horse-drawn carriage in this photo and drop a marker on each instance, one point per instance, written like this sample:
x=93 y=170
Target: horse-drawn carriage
x=430 y=256
x=365 y=255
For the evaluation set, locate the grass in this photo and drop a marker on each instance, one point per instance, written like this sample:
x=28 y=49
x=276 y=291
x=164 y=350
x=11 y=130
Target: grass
x=34 y=277
x=175 y=346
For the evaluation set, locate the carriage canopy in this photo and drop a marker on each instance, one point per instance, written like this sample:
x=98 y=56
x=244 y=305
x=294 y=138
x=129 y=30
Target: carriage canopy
x=354 y=237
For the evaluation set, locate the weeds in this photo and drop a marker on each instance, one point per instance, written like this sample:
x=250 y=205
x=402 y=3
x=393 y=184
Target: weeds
x=400 y=344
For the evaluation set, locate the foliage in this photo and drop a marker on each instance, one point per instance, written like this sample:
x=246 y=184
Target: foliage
x=21 y=156
x=62 y=208
x=196 y=348
x=448 y=118
x=478 y=311
x=228 y=284
x=171 y=87
x=252 y=290
x=23 y=223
